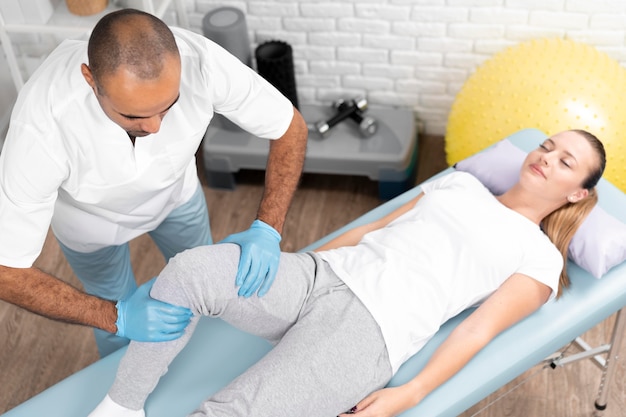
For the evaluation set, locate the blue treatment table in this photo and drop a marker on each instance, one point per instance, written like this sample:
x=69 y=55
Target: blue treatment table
x=217 y=352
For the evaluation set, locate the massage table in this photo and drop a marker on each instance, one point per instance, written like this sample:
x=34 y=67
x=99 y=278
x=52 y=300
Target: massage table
x=217 y=353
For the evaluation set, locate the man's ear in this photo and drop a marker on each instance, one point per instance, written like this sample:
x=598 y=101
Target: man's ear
x=88 y=76
x=575 y=197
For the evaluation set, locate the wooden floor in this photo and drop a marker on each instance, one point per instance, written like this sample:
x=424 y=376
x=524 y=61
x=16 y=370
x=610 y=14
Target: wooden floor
x=35 y=352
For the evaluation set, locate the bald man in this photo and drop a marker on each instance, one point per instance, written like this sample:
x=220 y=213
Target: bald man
x=101 y=147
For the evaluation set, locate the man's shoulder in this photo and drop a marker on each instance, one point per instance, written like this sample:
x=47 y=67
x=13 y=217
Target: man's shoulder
x=68 y=50
x=56 y=83
x=194 y=44
x=186 y=37
x=62 y=64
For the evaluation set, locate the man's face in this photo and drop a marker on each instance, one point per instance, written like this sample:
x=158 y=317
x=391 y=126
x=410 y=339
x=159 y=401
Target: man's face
x=137 y=105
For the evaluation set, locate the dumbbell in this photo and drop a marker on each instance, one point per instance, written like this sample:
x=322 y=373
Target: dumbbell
x=367 y=125
x=354 y=110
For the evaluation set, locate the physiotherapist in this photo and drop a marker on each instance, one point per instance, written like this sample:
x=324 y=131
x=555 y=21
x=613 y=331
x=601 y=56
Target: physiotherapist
x=101 y=148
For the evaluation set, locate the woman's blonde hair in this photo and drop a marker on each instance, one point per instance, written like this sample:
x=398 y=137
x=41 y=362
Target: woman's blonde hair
x=561 y=224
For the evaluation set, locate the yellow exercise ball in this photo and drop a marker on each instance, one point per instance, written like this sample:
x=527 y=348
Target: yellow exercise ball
x=548 y=84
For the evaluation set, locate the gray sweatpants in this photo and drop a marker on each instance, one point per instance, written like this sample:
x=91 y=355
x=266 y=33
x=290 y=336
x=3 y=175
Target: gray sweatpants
x=328 y=351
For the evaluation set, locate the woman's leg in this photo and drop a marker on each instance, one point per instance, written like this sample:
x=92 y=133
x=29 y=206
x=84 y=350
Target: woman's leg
x=329 y=360
x=203 y=279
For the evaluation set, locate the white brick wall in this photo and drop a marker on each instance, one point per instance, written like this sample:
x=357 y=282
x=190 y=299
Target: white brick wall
x=415 y=53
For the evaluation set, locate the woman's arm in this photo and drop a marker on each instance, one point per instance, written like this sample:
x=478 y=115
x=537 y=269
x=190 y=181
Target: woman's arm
x=518 y=297
x=353 y=236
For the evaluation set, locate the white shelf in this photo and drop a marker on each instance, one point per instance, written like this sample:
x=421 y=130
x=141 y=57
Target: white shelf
x=62 y=21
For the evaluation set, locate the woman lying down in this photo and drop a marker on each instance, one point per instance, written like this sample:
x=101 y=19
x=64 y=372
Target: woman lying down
x=344 y=318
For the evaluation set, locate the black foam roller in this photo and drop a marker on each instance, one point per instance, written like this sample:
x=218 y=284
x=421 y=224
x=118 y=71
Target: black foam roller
x=274 y=61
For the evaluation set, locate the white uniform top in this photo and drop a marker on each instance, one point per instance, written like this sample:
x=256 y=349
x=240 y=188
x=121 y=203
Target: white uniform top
x=453 y=249
x=67 y=164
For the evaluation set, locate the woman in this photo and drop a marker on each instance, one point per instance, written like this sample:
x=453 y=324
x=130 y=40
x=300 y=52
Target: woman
x=343 y=319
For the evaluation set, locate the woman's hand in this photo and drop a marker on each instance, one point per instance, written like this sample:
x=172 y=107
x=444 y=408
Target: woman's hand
x=387 y=402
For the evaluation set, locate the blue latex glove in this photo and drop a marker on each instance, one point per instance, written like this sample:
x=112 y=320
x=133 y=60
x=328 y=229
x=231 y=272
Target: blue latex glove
x=260 y=252
x=144 y=319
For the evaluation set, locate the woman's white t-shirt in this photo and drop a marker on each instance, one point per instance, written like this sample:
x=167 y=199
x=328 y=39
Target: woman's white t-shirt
x=66 y=164
x=452 y=250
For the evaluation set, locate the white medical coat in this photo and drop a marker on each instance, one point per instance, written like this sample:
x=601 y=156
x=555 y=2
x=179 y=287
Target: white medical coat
x=66 y=164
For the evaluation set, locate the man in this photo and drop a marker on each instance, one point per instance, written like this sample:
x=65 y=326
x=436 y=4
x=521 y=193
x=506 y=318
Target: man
x=101 y=147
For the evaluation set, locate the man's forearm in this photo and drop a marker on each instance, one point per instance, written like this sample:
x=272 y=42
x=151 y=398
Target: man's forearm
x=284 y=168
x=43 y=294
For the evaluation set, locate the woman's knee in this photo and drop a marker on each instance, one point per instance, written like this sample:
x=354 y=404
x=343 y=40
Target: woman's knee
x=195 y=277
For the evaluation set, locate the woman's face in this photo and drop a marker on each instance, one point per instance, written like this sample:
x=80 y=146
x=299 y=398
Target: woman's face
x=559 y=166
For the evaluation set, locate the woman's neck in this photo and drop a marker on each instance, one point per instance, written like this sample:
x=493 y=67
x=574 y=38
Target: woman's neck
x=528 y=205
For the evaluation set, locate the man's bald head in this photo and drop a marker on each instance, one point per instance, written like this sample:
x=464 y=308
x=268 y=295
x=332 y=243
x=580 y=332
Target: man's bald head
x=139 y=41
